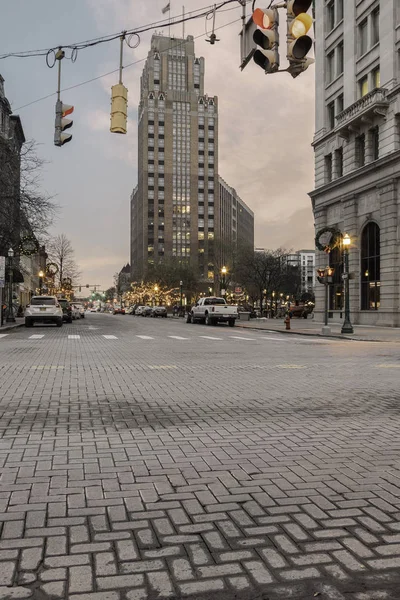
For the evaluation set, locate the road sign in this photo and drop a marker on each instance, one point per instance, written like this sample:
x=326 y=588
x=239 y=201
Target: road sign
x=2 y=271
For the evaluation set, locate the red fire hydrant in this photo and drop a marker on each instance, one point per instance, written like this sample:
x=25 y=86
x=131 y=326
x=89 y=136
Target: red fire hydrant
x=287 y=322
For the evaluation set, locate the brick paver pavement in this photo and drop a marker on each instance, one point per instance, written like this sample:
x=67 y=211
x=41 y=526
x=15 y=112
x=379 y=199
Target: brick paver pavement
x=197 y=462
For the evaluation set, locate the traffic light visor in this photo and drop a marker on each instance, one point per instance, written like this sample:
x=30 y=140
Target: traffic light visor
x=301 y=25
x=296 y=7
x=264 y=59
x=265 y=39
x=300 y=47
x=264 y=18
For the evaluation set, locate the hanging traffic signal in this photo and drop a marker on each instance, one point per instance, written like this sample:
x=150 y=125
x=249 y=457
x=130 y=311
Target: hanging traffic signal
x=119 y=108
x=299 y=44
x=267 y=38
x=61 y=123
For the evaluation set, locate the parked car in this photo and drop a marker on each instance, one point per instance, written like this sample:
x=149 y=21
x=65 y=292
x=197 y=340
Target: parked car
x=212 y=310
x=301 y=310
x=248 y=308
x=139 y=310
x=75 y=312
x=81 y=309
x=119 y=310
x=43 y=309
x=132 y=309
x=147 y=310
x=66 y=309
x=159 y=311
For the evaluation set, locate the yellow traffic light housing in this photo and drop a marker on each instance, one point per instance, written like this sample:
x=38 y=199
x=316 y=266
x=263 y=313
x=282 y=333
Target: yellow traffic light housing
x=119 y=108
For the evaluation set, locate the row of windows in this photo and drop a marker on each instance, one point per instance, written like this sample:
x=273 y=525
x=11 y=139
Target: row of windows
x=368 y=32
x=335 y=63
x=366 y=150
x=334 y=14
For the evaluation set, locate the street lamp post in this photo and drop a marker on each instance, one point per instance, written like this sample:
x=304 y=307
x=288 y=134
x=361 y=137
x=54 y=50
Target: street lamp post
x=223 y=281
x=181 y=290
x=41 y=275
x=155 y=292
x=10 y=315
x=347 y=326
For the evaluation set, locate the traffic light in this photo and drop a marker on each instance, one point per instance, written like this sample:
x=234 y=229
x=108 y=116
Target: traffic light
x=119 y=108
x=267 y=39
x=80 y=288
x=299 y=44
x=61 y=124
x=87 y=285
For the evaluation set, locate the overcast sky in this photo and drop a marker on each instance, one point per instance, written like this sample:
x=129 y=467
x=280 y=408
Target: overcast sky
x=266 y=123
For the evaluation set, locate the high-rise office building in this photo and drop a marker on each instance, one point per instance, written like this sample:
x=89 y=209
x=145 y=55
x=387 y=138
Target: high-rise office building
x=236 y=221
x=175 y=206
x=357 y=153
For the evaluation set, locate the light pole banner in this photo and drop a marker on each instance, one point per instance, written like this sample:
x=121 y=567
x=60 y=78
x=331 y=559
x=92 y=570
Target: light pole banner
x=2 y=271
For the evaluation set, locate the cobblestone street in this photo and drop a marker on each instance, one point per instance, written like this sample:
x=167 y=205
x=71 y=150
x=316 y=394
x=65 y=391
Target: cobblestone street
x=145 y=458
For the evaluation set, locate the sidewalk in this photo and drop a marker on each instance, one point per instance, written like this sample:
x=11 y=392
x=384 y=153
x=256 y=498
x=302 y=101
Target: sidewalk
x=312 y=328
x=19 y=321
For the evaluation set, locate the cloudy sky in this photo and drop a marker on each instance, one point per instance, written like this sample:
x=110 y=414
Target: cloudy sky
x=265 y=128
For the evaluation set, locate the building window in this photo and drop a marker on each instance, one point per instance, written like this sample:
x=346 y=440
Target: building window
x=339 y=162
x=339 y=11
x=375 y=142
x=370 y=267
x=331 y=115
x=339 y=104
x=376 y=77
x=375 y=27
x=360 y=150
x=363 y=37
x=336 y=289
x=363 y=86
x=330 y=8
x=328 y=168
x=340 y=59
x=330 y=59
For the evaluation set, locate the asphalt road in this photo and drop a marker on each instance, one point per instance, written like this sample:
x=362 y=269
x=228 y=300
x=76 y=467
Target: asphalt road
x=148 y=458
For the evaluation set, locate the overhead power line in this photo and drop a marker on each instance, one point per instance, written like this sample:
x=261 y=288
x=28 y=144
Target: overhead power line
x=114 y=70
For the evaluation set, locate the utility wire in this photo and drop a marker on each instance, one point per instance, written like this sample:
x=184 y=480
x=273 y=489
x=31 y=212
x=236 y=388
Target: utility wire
x=201 y=12
x=136 y=62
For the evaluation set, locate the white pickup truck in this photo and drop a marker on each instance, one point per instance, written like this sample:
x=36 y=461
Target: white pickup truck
x=213 y=310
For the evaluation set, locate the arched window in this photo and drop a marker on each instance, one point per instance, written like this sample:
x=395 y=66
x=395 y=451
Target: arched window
x=336 y=288
x=370 y=267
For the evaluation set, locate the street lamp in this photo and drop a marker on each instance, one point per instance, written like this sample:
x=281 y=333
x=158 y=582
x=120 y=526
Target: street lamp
x=155 y=292
x=181 y=289
x=40 y=275
x=10 y=315
x=223 y=282
x=347 y=326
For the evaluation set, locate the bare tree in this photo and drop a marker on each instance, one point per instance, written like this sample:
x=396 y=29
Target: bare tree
x=61 y=252
x=22 y=198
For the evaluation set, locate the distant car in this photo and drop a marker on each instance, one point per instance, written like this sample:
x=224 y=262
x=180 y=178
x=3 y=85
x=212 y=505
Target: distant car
x=93 y=309
x=147 y=310
x=139 y=309
x=159 y=311
x=67 y=309
x=118 y=310
x=43 y=309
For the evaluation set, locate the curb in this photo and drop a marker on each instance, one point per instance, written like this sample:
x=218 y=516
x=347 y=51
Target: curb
x=304 y=333
x=11 y=327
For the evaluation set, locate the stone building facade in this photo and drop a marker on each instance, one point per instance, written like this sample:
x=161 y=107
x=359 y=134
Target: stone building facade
x=357 y=153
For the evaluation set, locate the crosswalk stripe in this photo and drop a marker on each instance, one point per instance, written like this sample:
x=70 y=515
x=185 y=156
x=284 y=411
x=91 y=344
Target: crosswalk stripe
x=110 y=337
x=3 y=335
x=236 y=337
x=145 y=337
x=177 y=337
x=36 y=337
x=209 y=337
x=74 y=337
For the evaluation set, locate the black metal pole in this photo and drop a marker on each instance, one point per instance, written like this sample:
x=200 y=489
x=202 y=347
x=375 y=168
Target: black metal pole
x=326 y=299
x=10 y=315
x=347 y=326
x=181 y=290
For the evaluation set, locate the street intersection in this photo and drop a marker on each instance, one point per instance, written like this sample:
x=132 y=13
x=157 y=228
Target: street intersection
x=144 y=458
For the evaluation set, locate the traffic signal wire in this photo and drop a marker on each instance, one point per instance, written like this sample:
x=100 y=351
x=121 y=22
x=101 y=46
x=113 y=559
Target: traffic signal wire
x=199 y=13
x=136 y=62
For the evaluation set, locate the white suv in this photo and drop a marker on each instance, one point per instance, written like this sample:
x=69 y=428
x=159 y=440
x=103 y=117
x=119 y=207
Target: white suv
x=43 y=309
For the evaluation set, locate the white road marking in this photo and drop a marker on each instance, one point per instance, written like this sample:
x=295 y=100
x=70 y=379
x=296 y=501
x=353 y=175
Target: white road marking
x=291 y=367
x=36 y=337
x=3 y=335
x=74 y=337
x=177 y=337
x=235 y=337
x=145 y=337
x=110 y=337
x=209 y=337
